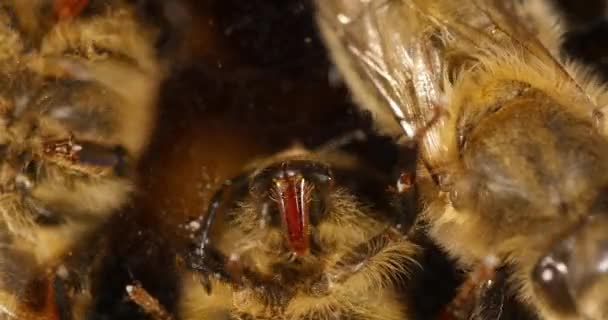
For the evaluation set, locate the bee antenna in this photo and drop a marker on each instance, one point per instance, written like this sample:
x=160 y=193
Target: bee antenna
x=341 y=141
x=199 y=258
x=131 y=276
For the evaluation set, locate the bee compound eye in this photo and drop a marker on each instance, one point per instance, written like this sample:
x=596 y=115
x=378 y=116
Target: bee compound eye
x=550 y=278
x=573 y=276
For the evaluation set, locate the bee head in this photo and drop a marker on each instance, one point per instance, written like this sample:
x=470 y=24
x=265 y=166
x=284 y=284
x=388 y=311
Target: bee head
x=573 y=276
x=297 y=191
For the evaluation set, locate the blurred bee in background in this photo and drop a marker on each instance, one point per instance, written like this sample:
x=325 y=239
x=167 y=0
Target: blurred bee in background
x=512 y=141
x=300 y=235
x=78 y=87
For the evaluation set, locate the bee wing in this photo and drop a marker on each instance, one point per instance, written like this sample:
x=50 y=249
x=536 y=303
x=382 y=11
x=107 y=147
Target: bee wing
x=517 y=22
x=392 y=70
x=400 y=58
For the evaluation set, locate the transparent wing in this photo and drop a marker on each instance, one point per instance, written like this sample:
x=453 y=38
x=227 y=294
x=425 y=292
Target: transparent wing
x=393 y=70
x=401 y=58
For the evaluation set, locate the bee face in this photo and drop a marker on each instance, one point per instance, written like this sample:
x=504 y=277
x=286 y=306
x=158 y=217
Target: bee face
x=292 y=234
x=285 y=204
x=299 y=189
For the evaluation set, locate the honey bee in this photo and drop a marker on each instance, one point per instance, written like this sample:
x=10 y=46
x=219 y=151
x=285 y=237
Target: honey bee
x=300 y=235
x=512 y=141
x=78 y=85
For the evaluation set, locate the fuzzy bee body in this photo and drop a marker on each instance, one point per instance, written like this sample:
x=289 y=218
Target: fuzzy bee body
x=513 y=139
x=346 y=260
x=77 y=100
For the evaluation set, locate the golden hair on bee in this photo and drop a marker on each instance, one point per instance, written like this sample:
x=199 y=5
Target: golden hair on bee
x=513 y=138
x=292 y=240
x=77 y=108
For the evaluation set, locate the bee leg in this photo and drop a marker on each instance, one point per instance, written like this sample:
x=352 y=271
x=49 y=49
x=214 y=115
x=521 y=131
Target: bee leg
x=383 y=250
x=404 y=193
x=65 y=286
x=410 y=139
x=405 y=187
x=148 y=303
x=467 y=298
x=497 y=299
x=492 y=296
x=228 y=270
x=52 y=293
x=209 y=262
x=204 y=258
